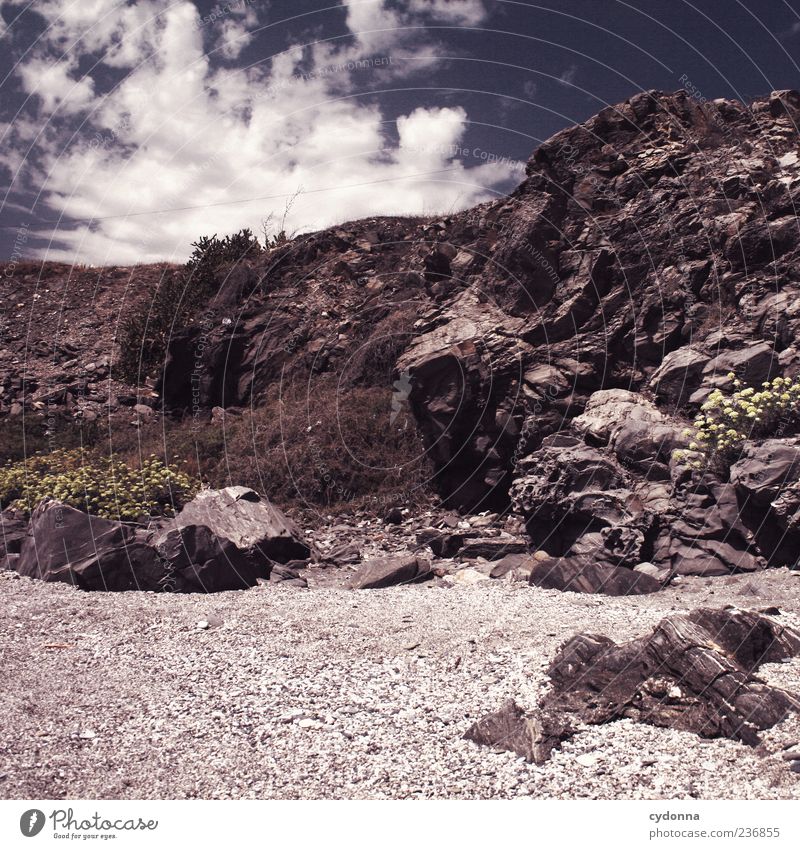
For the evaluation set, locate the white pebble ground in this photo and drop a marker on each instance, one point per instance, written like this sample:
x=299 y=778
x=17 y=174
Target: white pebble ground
x=331 y=693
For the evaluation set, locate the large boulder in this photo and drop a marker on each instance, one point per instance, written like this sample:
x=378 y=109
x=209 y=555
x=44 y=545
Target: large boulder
x=693 y=672
x=65 y=544
x=13 y=530
x=198 y=560
x=608 y=409
x=239 y=514
x=463 y=376
x=567 y=489
x=639 y=434
x=679 y=375
x=222 y=540
x=704 y=533
x=752 y=364
x=646 y=447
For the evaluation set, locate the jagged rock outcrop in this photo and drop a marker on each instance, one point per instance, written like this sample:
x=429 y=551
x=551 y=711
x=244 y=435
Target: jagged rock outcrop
x=650 y=220
x=649 y=252
x=694 y=672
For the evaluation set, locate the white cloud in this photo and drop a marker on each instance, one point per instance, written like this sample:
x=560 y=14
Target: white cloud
x=568 y=75
x=427 y=133
x=57 y=85
x=182 y=131
x=462 y=12
x=233 y=38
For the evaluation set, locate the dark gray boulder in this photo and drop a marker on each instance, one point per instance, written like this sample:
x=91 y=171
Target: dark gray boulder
x=693 y=672
x=226 y=539
x=753 y=364
x=392 y=570
x=65 y=544
x=703 y=533
x=567 y=489
x=679 y=375
x=240 y=515
x=584 y=575
x=198 y=560
x=767 y=482
x=13 y=530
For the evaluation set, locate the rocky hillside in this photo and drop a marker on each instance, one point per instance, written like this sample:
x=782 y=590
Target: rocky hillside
x=553 y=345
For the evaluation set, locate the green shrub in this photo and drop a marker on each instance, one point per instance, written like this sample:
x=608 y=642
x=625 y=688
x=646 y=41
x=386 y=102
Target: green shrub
x=727 y=421
x=104 y=487
x=212 y=254
x=177 y=299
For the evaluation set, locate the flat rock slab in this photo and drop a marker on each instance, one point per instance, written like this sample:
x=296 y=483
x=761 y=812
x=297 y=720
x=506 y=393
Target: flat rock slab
x=492 y=548
x=582 y=575
x=389 y=571
x=693 y=672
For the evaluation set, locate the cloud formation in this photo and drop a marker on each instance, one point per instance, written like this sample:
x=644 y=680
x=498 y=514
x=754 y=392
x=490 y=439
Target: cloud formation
x=142 y=128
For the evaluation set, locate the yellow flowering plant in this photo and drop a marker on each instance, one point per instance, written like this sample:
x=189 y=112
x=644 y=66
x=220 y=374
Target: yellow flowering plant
x=727 y=420
x=105 y=486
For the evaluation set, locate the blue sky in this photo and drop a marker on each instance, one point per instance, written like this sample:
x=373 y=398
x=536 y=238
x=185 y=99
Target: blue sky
x=131 y=128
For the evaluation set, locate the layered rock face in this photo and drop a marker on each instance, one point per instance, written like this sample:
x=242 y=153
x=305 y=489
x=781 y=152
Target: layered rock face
x=566 y=333
x=652 y=249
x=693 y=672
x=556 y=343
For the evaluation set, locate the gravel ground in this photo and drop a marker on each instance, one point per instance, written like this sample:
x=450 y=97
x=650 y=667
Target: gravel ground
x=338 y=694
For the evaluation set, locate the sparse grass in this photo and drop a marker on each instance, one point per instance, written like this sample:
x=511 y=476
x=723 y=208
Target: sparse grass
x=327 y=446
x=324 y=445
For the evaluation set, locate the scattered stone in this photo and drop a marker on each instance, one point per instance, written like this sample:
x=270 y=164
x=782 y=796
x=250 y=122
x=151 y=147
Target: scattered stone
x=467 y=577
x=582 y=575
x=394 y=516
x=389 y=571
x=511 y=729
x=518 y=566
x=491 y=548
x=441 y=543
